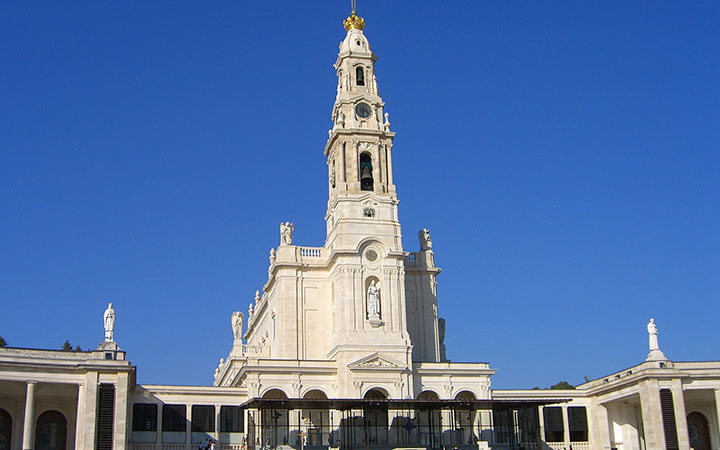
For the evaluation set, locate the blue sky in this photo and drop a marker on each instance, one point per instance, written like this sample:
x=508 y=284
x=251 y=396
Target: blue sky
x=564 y=155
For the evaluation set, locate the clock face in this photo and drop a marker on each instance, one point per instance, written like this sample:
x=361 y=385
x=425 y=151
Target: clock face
x=363 y=110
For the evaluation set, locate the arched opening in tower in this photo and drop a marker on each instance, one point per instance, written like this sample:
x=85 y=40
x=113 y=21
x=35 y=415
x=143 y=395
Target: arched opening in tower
x=366 y=169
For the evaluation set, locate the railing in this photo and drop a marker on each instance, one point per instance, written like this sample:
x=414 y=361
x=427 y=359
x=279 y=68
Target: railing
x=182 y=446
x=310 y=253
x=564 y=446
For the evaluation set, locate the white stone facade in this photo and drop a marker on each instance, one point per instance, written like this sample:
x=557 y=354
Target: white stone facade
x=355 y=318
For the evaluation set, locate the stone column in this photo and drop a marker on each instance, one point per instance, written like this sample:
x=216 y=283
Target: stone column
x=90 y=410
x=541 y=423
x=80 y=417
x=217 y=424
x=566 y=424
x=158 y=433
x=121 y=412
x=29 y=422
x=680 y=415
x=652 y=414
x=188 y=424
x=717 y=408
x=599 y=425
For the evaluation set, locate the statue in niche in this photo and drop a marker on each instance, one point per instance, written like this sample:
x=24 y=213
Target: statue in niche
x=340 y=119
x=286 y=232
x=109 y=322
x=425 y=239
x=373 y=300
x=237 y=325
x=653 y=334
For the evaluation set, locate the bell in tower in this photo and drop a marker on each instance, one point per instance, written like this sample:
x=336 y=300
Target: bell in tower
x=366 y=178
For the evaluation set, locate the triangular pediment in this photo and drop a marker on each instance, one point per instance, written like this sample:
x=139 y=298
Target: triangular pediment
x=375 y=362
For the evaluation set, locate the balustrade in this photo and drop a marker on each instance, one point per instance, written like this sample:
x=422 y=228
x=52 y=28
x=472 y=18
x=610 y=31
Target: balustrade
x=182 y=446
x=310 y=252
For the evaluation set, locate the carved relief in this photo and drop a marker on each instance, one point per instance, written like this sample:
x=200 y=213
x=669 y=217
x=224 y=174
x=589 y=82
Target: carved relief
x=376 y=363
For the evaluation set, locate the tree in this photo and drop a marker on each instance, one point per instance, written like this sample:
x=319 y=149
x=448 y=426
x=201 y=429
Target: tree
x=3 y=343
x=77 y=349
x=562 y=385
x=66 y=347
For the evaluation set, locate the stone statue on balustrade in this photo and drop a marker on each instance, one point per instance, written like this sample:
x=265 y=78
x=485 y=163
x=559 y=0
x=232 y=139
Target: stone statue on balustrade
x=109 y=322
x=655 y=353
x=425 y=239
x=286 y=233
x=237 y=325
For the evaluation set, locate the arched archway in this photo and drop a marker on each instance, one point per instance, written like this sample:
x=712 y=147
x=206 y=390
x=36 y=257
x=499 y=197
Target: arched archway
x=315 y=421
x=376 y=418
x=5 y=429
x=275 y=423
x=51 y=431
x=428 y=421
x=375 y=393
x=699 y=431
x=275 y=394
x=464 y=417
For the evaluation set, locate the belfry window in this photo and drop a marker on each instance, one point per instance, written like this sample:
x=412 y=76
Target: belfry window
x=360 y=76
x=366 y=169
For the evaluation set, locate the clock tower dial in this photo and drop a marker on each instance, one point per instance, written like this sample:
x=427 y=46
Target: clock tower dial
x=363 y=110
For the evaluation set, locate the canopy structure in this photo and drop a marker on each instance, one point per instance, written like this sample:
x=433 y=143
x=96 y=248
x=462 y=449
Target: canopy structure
x=392 y=423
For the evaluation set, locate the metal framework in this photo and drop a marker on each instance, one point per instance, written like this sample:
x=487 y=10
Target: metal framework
x=390 y=423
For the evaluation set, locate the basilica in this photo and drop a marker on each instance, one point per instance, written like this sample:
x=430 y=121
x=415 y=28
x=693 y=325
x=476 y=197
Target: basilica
x=344 y=348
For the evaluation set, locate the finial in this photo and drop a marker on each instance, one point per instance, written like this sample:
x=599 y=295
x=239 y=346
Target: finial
x=354 y=21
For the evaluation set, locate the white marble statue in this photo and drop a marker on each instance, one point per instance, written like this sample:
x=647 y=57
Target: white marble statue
x=237 y=325
x=373 y=300
x=109 y=322
x=653 y=335
x=286 y=232
x=425 y=239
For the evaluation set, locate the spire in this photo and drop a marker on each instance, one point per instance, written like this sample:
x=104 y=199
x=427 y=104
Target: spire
x=354 y=21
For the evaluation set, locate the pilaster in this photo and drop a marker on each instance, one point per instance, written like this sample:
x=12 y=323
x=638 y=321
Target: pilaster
x=79 y=421
x=121 y=412
x=599 y=426
x=90 y=410
x=680 y=414
x=652 y=415
x=566 y=424
x=717 y=409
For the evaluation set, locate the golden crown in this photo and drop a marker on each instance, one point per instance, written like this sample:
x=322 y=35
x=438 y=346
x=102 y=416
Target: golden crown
x=354 y=21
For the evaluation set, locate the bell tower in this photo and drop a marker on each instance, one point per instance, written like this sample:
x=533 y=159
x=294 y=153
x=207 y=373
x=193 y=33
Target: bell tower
x=362 y=197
